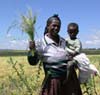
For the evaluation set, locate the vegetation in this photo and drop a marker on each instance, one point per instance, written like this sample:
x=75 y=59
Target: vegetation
x=91 y=51
x=28 y=25
x=93 y=87
x=17 y=77
x=24 y=52
x=13 y=52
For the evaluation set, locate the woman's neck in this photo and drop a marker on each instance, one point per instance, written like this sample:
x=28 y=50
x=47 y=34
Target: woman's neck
x=54 y=38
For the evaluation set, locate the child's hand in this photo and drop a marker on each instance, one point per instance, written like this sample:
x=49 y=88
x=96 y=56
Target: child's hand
x=74 y=54
x=95 y=73
x=70 y=57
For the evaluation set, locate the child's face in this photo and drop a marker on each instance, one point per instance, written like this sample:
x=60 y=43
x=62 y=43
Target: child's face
x=72 y=31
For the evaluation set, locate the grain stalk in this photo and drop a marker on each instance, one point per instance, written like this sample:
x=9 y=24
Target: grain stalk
x=23 y=79
x=28 y=26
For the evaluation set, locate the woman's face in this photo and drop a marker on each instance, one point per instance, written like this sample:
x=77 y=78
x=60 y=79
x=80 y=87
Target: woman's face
x=54 y=27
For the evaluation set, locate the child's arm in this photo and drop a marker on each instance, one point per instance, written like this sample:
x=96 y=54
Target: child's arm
x=76 y=50
x=78 y=47
x=70 y=51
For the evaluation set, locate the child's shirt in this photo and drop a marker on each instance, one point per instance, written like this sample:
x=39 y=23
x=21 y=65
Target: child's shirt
x=73 y=46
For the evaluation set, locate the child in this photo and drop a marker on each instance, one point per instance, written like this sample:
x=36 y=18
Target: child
x=74 y=48
x=74 y=45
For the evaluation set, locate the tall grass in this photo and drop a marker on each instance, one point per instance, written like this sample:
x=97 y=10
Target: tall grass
x=20 y=83
x=92 y=86
x=24 y=79
x=26 y=24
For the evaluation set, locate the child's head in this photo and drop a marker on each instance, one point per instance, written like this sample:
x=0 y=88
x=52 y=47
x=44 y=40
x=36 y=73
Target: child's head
x=72 y=30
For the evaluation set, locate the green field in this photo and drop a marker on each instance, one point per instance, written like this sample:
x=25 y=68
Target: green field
x=10 y=81
x=17 y=77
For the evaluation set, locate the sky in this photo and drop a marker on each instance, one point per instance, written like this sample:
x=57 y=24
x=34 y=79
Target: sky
x=84 y=12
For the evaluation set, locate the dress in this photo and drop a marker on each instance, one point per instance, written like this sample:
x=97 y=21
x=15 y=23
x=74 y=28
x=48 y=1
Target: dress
x=55 y=58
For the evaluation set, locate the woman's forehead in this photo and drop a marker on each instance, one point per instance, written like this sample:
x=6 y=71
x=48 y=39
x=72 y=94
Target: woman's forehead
x=55 y=21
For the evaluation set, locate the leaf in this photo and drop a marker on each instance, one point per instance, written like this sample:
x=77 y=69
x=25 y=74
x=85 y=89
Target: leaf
x=28 y=24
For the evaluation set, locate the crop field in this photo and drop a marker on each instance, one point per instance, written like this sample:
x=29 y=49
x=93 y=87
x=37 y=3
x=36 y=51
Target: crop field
x=17 y=77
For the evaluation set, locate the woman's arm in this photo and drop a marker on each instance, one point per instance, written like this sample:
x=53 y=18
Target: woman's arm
x=33 y=60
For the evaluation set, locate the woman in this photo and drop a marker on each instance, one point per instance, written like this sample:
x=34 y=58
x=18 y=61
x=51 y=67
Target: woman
x=51 y=50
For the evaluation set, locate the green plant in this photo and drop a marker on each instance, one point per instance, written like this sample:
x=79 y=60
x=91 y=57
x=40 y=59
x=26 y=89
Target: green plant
x=28 y=25
x=22 y=82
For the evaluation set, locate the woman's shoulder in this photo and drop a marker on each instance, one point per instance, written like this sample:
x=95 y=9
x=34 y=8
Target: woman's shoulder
x=62 y=42
x=42 y=42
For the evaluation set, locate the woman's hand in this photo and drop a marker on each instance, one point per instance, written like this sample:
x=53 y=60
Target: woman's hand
x=32 y=45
